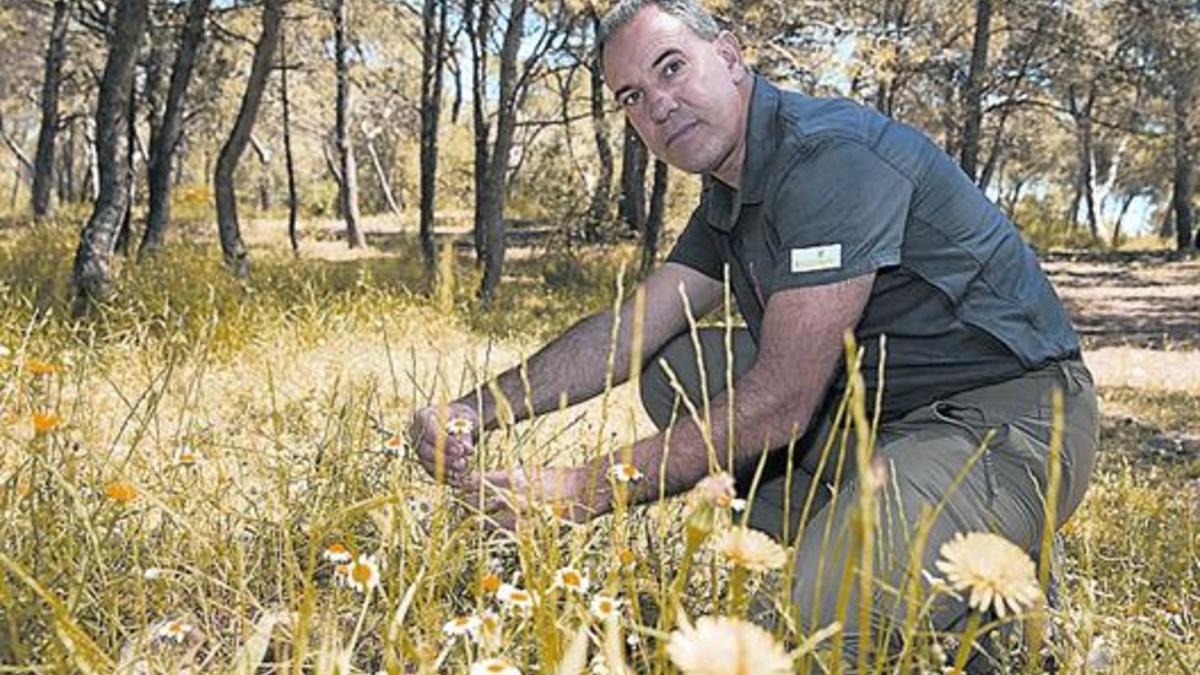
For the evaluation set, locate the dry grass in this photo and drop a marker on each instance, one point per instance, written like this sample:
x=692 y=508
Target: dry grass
x=286 y=392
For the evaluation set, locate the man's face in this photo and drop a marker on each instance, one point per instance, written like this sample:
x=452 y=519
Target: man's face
x=679 y=91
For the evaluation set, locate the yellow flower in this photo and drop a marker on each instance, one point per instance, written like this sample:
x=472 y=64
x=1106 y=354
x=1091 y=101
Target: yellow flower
x=995 y=571
x=362 y=575
x=44 y=423
x=752 y=549
x=624 y=473
x=571 y=579
x=515 y=597
x=496 y=666
x=36 y=367
x=121 y=492
x=604 y=608
x=462 y=625
x=174 y=630
x=626 y=557
x=337 y=553
x=726 y=646
x=490 y=583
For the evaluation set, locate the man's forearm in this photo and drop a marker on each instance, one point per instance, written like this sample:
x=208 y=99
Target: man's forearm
x=766 y=416
x=573 y=366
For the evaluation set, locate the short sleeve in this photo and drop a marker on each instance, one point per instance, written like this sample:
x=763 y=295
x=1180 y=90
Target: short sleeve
x=696 y=249
x=839 y=213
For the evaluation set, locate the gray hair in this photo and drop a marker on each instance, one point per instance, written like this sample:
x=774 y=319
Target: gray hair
x=689 y=12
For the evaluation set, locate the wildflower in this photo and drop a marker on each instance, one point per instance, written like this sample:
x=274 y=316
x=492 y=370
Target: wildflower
x=460 y=426
x=187 y=455
x=571 y=579
x=4 y=352
x=624 y=473
x=362 y=575
x=752 y=549
x=604 y=607
x=515 y=597
x=462 y=625
x=393 y=445
x=174 y=630
x=490 y=583
x=45 y=422
x=626 y=557
x=726 y=646
x=121 y=492
x=495 y=666
x=337 y=553
x=995 y=571
x=152 y=573
x=36 y=367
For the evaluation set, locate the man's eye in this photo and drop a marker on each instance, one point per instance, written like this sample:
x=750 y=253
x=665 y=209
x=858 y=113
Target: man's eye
x=672 y=67
x=631 y=99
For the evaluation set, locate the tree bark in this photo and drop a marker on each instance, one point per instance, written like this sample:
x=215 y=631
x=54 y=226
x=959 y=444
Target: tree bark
x=232 y=246
x=654 y=220
x=166 y=140
x=481 y=127
x=506 y=123
x=598 y=210
x=90 y=272
x=632 y=202
x=1183 y=176
x=125 y=232
x=432 y=52
x=348 y=188
x=289 y=160
x=1116 y=233
x=973 y=100
x=43 y=163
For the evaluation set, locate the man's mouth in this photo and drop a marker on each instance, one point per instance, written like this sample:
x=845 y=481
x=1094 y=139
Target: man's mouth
x=678 y=133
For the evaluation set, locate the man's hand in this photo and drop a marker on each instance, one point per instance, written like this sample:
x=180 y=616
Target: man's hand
x=507 y=496
x=447 y=432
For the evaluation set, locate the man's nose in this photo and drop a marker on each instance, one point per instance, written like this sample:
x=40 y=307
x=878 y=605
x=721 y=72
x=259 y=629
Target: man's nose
x=662 y=105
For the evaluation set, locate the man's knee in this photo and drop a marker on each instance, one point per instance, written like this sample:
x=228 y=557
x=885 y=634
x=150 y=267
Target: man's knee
x=656 y=391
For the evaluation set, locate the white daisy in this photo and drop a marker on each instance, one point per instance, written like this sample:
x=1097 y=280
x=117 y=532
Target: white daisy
x=460 y=426
x=175 y=630
x=495 y=666
x=512 y=596
x=362 y=575
x=337 y=553
x=462 y=625
x=624 y=473
x=752 y=549
x=605 y=607
x=571 y=579
x=727 y=646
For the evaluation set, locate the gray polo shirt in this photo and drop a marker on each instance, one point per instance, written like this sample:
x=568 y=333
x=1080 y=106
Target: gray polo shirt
x=832 y=190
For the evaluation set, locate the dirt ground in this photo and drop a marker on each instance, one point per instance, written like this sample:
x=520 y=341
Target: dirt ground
x=1138 y=315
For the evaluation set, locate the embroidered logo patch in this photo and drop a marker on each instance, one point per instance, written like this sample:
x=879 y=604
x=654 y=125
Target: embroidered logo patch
x=817 y=258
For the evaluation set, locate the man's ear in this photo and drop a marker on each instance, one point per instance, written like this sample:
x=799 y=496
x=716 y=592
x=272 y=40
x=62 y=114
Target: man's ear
x=730 y=51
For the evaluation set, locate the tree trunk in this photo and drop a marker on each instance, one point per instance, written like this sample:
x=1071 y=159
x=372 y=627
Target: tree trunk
x=432 y=51
x=973 y=100
x=506 y=123
x=348 y=192
x=43 y=163
x=1116 y=233
x=289 y=160
x=125 y=232
x=381 y=175
x=164 y=142
x=479 y=78
x=90 y=272
x=598 y=210
x=632 y=202
x=232 y=247
x=266 y=182
x=654 y=220
x=1183 y=178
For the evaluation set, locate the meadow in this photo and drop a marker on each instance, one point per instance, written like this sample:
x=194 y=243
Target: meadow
x=211 y=475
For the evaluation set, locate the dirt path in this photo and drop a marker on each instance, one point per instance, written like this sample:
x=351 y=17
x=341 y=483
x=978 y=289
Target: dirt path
x=1138 y=315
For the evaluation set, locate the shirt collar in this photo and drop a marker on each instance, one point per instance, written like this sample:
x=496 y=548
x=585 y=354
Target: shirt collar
x=723 y=204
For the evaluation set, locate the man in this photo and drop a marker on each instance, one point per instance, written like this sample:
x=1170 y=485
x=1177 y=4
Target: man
x=829 y=218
